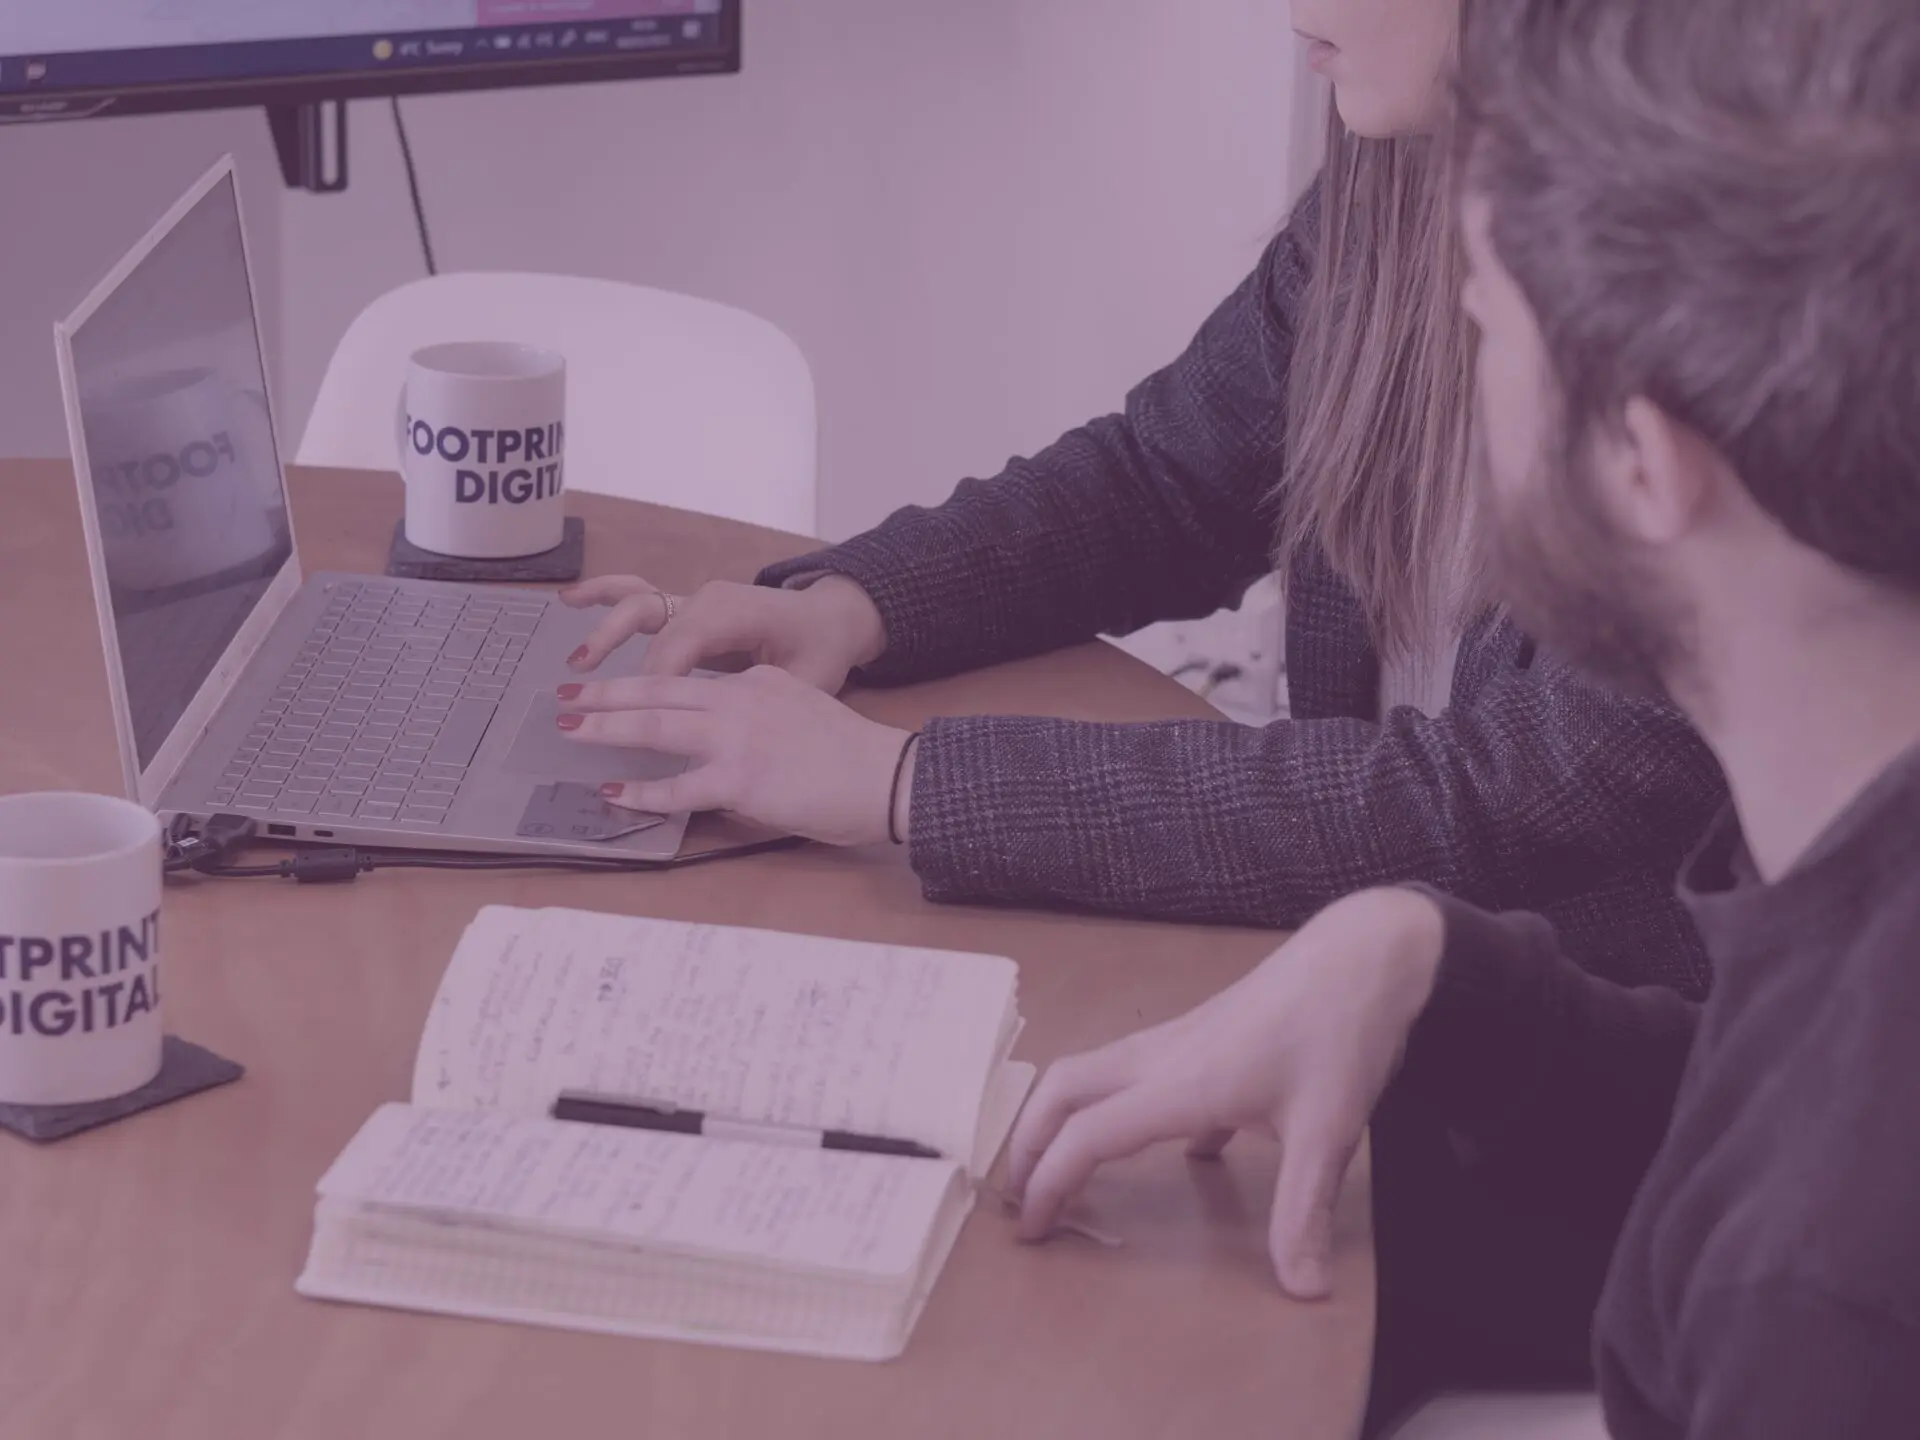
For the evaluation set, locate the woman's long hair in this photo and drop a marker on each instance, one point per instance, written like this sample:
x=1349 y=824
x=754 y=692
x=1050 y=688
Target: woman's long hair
x=1379 y=404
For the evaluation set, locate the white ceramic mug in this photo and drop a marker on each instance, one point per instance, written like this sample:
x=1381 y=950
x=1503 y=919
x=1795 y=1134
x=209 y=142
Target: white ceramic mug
x=183 y=470
x=483 y=449
x=79 y=947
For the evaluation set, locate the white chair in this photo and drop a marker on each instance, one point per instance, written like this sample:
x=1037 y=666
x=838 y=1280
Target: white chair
x=1507 y=1417
x=670 y=399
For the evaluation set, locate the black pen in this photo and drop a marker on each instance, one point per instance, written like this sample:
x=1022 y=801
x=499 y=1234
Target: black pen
x=592 y=1109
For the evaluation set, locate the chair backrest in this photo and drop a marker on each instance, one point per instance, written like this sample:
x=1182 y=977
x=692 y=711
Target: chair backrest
x=669 y=398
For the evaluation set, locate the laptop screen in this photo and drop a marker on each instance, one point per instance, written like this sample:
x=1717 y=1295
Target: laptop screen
x=173 y=403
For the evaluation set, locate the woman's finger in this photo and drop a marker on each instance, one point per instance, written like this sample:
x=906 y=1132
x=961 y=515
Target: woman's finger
x=700 y=632
x=697 y=789
x=641 y=613
x=605 y=590
x=676 y=732
x=643 y=692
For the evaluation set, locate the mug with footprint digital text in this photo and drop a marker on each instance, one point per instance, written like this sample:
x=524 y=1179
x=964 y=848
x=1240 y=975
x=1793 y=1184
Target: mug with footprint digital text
x=80 y=879
x=482 y=437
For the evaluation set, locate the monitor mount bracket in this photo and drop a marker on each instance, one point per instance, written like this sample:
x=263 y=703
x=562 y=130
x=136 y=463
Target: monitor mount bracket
x=312 y=143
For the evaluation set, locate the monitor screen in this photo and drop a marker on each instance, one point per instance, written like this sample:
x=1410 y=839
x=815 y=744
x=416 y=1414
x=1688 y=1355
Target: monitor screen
x=180 y=451
x=84 y=57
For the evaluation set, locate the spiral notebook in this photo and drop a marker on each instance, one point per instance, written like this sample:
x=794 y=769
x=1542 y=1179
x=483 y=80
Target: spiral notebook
x=470 y=1201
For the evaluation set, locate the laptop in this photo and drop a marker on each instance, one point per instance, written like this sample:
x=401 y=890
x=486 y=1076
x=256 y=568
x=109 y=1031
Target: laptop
x=352 y=709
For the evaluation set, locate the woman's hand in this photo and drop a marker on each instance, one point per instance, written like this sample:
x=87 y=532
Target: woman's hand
x=764 y=745
x=1299 y=1050
x=819 y=633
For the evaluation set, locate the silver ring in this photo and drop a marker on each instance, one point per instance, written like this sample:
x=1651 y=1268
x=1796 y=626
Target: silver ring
x=667 y=600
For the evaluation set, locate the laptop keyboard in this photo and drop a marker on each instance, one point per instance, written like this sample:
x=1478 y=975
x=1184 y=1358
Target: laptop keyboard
x=382 y=710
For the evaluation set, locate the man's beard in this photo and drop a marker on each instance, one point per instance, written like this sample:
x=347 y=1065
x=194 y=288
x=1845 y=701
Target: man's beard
x=1574 y=584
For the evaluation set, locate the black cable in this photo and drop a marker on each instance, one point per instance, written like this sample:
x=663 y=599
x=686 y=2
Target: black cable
x=413 y=185
x=191 y=847
x=429 y=860
x=333 y=866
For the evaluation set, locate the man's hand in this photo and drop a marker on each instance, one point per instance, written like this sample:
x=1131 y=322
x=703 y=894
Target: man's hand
x=765 y=745
x=1299 y=1050
x=819 y=633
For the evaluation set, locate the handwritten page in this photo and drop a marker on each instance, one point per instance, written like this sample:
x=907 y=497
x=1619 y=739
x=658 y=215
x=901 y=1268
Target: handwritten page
x=790 y=1205
x=751 y=1024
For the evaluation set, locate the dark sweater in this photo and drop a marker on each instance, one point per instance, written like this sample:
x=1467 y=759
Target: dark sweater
x=1534 y=790
x=1766 y=1279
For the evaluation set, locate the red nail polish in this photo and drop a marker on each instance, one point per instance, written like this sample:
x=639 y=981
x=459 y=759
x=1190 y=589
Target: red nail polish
x=569 y=722
x=577 y=656
x=612 y=789
x=568 y=692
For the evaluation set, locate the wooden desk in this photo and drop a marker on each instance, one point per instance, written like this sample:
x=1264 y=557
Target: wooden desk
x=146 y=1280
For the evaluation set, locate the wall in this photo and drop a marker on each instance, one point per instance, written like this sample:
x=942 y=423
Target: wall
x=981 y=222
x=74 y=197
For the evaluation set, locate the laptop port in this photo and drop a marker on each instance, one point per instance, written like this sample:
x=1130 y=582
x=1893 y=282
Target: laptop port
x=283 y=831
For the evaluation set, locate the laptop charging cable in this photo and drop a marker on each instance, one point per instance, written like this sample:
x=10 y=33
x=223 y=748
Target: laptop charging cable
x=203 y=849
x=204 y=852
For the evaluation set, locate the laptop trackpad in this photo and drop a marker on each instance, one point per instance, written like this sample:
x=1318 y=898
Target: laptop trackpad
x=540 y=749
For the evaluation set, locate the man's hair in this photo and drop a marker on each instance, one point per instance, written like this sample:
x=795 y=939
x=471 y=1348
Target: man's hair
x=1715 y=204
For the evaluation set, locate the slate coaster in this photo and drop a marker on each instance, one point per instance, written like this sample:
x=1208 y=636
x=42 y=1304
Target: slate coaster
x=185 y=1069
x=562 y=563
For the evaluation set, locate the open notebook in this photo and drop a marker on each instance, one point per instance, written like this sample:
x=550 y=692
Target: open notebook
x=471 y=1201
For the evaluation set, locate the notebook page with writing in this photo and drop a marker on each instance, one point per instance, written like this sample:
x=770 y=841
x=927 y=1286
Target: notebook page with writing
x=863 y=1216
x=758 y=1025
x=490 y=980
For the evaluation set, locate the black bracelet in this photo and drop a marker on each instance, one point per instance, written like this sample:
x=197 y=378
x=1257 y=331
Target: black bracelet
x=893 y=790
